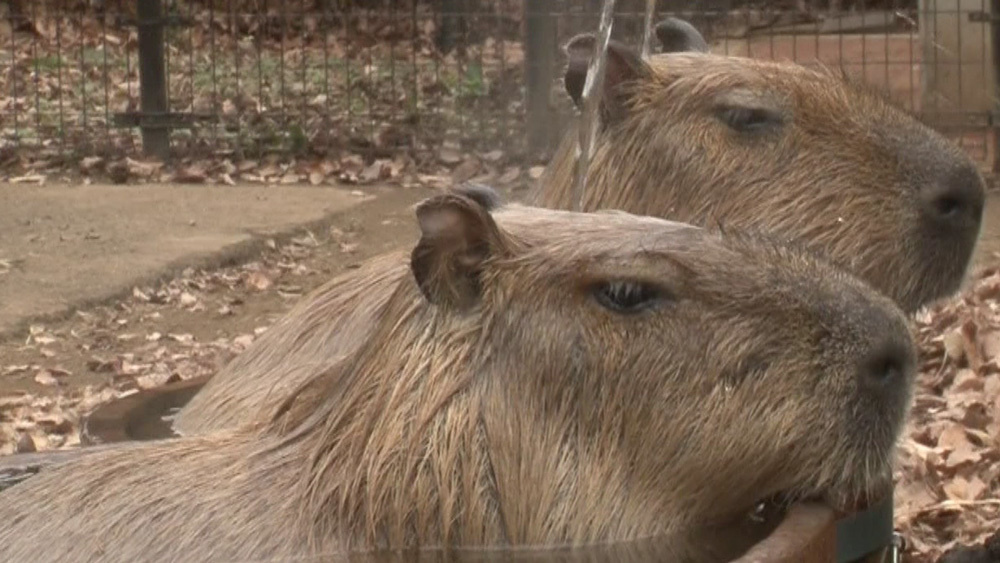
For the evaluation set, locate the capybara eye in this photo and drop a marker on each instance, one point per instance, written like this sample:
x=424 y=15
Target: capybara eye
x=627 y=296
x=749 y=120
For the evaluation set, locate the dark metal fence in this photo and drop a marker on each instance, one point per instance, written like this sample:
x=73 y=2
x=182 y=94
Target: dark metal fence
x=377 y=78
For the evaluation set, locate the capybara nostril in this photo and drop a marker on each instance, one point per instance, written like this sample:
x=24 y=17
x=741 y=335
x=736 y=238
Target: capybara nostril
x=947 y=206
x=956 y=201
x=885 y=367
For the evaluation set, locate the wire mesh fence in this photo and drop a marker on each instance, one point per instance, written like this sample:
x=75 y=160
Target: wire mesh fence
x=375 y=77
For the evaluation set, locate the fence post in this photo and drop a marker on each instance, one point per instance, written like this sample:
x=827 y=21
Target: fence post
x=453 y=23
x=539 y=57
x=152 y=78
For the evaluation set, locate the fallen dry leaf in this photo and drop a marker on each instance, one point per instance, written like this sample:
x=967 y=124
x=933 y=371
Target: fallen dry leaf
x=29 y=179
x=182 y=338
x=259 y=281
x=99 y=365
x=510 y=175
x=45 y=377
x=449 y=156
x=493 y=156
x=15 y=369
x=243 y=341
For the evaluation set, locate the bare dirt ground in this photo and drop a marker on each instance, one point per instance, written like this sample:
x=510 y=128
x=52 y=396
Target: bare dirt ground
x=73 y=244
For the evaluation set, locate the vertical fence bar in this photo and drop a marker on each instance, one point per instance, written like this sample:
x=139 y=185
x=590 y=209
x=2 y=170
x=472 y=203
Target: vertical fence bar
x=216 y=110
x=16 y=105
x=152 y=76
x=283 y=30
x=37 y=78
x=503 y=80
x=59 y=78
x=397 y=25
x=994 y=165
x=262 y=103
x=234 y=18
x=539 y=58
x=414 y=49
x=327 y=25
x=104 y=76
x=83 y=79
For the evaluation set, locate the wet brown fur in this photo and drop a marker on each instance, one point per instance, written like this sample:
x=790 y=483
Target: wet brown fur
x=486 y=408
x=842 y=179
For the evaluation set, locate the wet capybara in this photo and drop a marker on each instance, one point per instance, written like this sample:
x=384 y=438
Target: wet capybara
x=534 y=378
x=803 y=153
x=706 y=139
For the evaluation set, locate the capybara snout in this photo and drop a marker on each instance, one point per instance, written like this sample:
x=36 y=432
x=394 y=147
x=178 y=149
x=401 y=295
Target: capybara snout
x=955 y=201
x=948 y=194
x=886 y=366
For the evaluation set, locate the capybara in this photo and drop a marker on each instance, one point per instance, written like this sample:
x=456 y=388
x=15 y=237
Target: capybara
x=803 y=153
x=703 y=139
x=535 y=377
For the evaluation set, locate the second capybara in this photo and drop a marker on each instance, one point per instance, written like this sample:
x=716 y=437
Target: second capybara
x=799 y=152
x=704 y=139
x=534 y=378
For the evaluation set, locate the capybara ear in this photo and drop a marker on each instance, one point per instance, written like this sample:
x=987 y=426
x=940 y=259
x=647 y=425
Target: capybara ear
x=484 y=195
x=622 y=66
x=458 y=235
x=678 y=36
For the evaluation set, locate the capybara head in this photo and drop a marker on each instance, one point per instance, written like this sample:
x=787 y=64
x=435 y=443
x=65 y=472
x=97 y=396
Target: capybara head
x=535 y=377
x=802 y=153
x=550 y=377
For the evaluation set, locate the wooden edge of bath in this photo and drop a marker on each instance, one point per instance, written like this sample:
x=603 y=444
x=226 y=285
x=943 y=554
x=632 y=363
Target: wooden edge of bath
x=113 y=421
x=808 y=534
